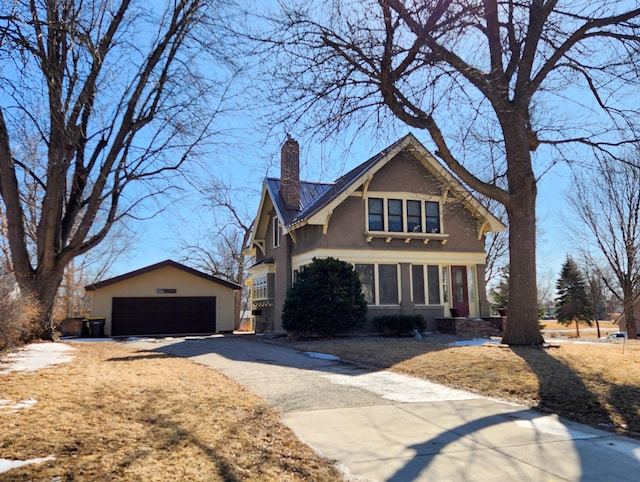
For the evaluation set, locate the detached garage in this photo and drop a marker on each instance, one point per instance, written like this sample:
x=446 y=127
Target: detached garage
x=166 y=298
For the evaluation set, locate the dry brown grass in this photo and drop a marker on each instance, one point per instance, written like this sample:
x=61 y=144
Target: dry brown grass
x=552 y=329
x=117 y=414
x=591 y=383
x=17 y=315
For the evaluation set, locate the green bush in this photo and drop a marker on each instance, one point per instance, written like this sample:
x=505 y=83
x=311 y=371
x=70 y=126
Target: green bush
x=325 y=300
x=399 y=325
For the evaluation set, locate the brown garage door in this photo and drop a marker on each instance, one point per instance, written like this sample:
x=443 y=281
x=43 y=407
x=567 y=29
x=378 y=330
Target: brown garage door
x=163 y=316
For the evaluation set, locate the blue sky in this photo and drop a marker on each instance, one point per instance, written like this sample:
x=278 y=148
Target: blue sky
x=159 y=238
x=254 y=153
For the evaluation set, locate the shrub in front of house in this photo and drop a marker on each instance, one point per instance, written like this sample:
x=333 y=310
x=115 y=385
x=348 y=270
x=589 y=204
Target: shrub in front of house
x=325 y=300
x=399 y=325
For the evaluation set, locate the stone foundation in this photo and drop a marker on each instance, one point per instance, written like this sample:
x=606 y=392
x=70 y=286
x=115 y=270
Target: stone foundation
x=470 y=328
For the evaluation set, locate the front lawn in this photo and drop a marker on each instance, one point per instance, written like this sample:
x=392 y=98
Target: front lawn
x=114 y=413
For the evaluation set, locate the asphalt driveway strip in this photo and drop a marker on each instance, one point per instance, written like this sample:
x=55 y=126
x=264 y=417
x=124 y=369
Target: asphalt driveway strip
x=384 y=426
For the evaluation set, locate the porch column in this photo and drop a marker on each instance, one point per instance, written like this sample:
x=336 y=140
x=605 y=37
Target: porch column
x=406 y=296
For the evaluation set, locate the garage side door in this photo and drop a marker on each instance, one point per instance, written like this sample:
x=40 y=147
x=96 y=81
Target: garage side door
x=163 y=316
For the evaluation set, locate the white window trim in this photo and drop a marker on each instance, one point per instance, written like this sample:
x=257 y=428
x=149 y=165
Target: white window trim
x=260 y=283
x=406 y=235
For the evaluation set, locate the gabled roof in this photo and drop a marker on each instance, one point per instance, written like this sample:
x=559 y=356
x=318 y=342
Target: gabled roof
x=154 y=267
x=310 y=195
x=318 y=200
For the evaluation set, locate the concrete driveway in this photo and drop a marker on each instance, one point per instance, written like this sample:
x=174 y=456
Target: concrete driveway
x=384 y=426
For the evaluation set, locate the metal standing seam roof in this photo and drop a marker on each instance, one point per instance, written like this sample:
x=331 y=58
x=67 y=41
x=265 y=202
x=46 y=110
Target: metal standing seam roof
x=315 y=195
x=310 y=193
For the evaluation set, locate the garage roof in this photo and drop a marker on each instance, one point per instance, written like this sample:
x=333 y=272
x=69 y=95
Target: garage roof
x=153 y=267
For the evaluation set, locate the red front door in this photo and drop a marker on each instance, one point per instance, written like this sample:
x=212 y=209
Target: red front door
x=460 y=295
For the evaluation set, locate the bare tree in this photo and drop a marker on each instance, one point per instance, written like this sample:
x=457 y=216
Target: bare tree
x=218 y=249
x=472 y=75
x=497 y=245
x=596 y=290
x=607 y=207
x=102 y=103
x=546 y=290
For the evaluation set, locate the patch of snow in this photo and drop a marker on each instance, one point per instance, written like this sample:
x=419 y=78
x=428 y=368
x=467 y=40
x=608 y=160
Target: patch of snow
x=8 y=464
x=401 y=388
x=550 y=424
x=474 y=342
x=139 y=338
x=322 y=356
x=36 y=356
x=11 y=406
x=86 y=340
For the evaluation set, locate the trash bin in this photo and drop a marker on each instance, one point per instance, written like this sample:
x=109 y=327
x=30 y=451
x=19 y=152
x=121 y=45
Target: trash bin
x=86 y=330
x=97 y=327
x=71 y=326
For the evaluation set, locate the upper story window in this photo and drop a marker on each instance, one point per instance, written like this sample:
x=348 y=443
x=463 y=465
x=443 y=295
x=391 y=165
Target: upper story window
x=432 y=218
x=276 y=232
x=403 y=216
x=414 y=216
x=395 y=219
x=376 y=214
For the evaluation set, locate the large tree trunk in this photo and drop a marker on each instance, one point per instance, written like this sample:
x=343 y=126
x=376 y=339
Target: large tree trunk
x=629 y=317
x=44 y=289
x=523 y=327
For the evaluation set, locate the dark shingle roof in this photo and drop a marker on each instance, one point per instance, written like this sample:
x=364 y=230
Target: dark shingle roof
x=153 y=267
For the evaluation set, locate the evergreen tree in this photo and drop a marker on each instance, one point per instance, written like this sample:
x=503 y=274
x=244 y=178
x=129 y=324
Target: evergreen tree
x=573 y=303
x=325 y=300
x=500 y=294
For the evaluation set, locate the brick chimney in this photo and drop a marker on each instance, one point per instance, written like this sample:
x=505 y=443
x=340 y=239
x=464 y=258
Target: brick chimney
x=290 y=174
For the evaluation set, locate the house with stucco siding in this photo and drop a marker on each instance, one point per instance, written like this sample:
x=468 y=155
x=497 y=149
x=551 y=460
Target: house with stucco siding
x=414 y=234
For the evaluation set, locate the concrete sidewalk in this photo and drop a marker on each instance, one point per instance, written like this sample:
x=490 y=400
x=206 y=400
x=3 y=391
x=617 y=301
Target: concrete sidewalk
x=383 y=426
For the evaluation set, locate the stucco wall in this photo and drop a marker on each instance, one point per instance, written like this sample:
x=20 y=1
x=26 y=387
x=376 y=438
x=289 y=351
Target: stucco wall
x=404 y=177
x=145 y=285
x=347 y=224
x=405 y=173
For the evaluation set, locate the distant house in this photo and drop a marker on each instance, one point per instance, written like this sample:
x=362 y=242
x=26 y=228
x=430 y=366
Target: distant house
x=166 y=298
x=413 y=233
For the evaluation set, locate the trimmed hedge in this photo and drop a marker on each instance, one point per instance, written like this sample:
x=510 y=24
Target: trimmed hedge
x=399 y=325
